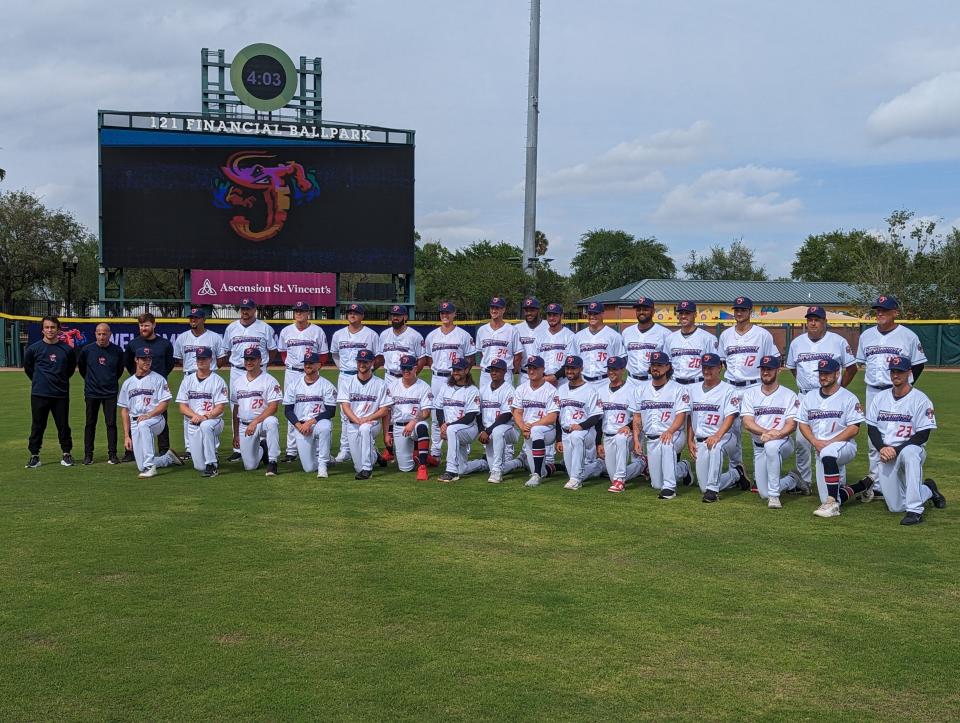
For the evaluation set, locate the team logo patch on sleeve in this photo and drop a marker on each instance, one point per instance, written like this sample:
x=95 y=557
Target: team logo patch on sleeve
x=685 y=398
x=858 y=407
x=930 y=413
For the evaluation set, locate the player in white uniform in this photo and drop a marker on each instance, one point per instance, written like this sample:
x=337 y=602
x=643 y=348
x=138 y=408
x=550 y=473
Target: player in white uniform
x=444 y=345
x=295 y=340
x=458 y=409
x=687 y=345
x=498 y=434
x=769 y=413
x=309 y=404
x=830 y=418
x=714 y=407
x=528 y=334
x=877 y=346
x=142 y=400
x=345 y=344
x=899 y=423
x=803 y=359
x=553 y=345
x=246 y=332
x=579 y=417
x=497 y=340
x=256 y=396
x=185 y=348
x=595 y=345
x=364 y=401
x=408 y=432
x=535 y=408
x=615 y=446
x=642 y=339
x=202 y=397
x=660 y=411
x=400 y=340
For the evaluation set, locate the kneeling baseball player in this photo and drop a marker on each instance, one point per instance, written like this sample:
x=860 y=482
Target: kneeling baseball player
x=498 y=433
x=579 y=416
x=458 y=409
x=535 y=407
x=202 y=397
x=408 y=431
x=614 y=447
x=364 y=402
x=309 y=404
x=256 y=396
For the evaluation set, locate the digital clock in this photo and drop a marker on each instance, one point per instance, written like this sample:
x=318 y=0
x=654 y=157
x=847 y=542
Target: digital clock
x=263 y=77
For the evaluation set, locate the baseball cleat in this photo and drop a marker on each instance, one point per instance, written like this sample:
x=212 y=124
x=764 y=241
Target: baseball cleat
x=271 y=469
x=148 y=472
x=210 y=470
x=867 y=495
x=573 y=484
x=495 y=478
x=743 y=482
x=422 y=474
x=773 y=503
x=448 y=477
x=534 y=481
x=113 y=459
x=174 y=457
x=388 y=455
x=33 y=462
x=802 y=487
x=88 y=459
x=186 y=456
x=128 y=456
x=382 y=460
x=912 y=518
x=830 y=508
x=432 y=461
x=235 y=457
x=711 y=496
x=616 y=486
x=288 y=458
x=322 y=472
x=666 y=494
x=67 y=460
x=687 y=480
x=342 y=456
x=939 y=501
x=363 y=474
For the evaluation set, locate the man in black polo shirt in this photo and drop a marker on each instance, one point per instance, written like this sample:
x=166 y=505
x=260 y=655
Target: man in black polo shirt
x=161 y=351
x=101 y=366
x=50 y=363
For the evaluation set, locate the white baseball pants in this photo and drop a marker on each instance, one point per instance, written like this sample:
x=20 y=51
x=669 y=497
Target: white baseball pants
x=203 y=440
x=289 y=377
x=580 y=454
x=267 y=431
x=499 y=449
x=767 y=464
x=362 y=442
x=616 y=450
x=314 y=449
x=142 y=435
x=662 y=462
x=459 y=439
x=844 y=452
x=710 y=474
x=902 y=481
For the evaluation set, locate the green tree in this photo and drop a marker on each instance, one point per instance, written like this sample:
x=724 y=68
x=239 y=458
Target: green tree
x=607 y=259
x=832 y=256
x=735 y=264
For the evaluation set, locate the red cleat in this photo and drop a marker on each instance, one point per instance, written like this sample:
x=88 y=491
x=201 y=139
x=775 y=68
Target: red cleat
x=388 y=455
x=432 y=461
x=617 y=486
x=422 y=473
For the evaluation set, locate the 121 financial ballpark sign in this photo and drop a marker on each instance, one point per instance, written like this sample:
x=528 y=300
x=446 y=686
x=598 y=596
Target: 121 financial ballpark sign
x=267 y=288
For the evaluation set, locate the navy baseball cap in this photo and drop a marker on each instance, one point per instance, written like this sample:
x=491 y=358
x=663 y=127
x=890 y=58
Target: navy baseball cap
x=144 y=352
x=886 y=302
x=531 y=303
x=690 y=306
x=311 y=357
x=534 y=361
x=711 y=360
x=770 y=362
x=900 y=364
x=446 y=307
x=366 y=355
x=397 y=310
x=573 y=361
x=498 y=302
x=616 y=362
x=644 y=302
x=252 y=352
x=356 y=309
x=743 y=302
x=461 y=363
x=659 y=357
x=817 y=311
x=204 y=352
x=595 y=307
x=301 y=306
x=197 y=312
x=408 y=362
x=247 y=303
x=497 y=364
x=828 y=365
x=555 y=309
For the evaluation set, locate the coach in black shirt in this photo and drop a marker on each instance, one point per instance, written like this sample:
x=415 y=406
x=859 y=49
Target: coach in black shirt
x=101 y=366
x=161 y=351
x=50 y=363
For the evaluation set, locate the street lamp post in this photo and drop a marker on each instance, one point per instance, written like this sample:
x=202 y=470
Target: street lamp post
x=70 y=268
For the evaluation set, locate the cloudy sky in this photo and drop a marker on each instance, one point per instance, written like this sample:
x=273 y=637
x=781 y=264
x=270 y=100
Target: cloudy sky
x=698 y=122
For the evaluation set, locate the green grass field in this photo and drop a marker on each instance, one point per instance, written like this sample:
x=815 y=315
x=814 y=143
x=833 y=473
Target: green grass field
x=295 y=598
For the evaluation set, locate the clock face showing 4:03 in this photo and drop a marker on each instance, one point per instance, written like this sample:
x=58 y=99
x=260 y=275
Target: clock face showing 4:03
x=263 y=77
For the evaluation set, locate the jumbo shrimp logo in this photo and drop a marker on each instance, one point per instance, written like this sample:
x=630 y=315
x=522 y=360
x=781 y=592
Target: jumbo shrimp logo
x=255 y=181
x=73 y=337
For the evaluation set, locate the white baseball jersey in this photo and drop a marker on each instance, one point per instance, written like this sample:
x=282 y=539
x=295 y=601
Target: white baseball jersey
x=577 y=404
x=535 y=404
x=456 y=401
x=296 y=342
x=141 y=395
x=252 y=396
x=364 y=398
x=202 y=395
x=594 y=349
x=309 y=400
x=641 y=344
x=238 y=337
x=659 y=406
x=494 y=402
x=553 y=348
x=393 y=346
x=344 y=346
x=685 y=351
x=445 y=349
x=185 y=348
x=875 y=350
x=408 y=402
x=497 y=344
x=709 y=407
x=804 y=355
x=770 y=411
x=900 y=419
x=527 y=338
x=616 y=404
x=743 y=352
x=828 y=416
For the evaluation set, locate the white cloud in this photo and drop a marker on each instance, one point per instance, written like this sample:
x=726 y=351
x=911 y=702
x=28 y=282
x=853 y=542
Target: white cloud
x=930 y=109
x=452 y=226
x=730 y=197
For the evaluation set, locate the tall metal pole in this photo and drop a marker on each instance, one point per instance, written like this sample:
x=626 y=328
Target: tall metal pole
x=533 y=92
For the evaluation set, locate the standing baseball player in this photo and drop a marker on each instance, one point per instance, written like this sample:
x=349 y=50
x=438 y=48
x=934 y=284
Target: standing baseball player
x=309 y=404
x=580 y=415
x=161 y=351
x=497 y=340
x=660 y=411
x=595 y=345
x=554 y=345
x=687 y=345
x=345 y=344
x=408 y=431
x=101 y=366
x=535 y=408
x=444 y=345
x=49 y=363
x=185 y=348
x=246 y=332
x=295 y=340
x=202 y=398
x=642 y=339
x=615 y=446
x=769 y=413
x=899 y=423
x=458 y=409
x=830 y=418
x=528 y=333
x=498 y=434
x=398 y=341
x=364 y=402
x=803 y=360
x=143 y=400
x=256 y=396
x=877 y=346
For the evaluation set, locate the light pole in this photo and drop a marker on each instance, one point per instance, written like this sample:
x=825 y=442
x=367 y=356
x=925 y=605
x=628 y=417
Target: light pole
x=533 y=111
x=70 y=268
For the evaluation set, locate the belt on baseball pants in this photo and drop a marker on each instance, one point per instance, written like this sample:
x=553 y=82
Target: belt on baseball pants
x=881 y=388
x=188 y=373
x=442 y=374
x=747 y=383
x=653 y=436
x=351 y=372
x=702 y=439
x=640 y=377
x=244 y=422
x=395 y=374
x=593 y=379
x=692 y=380
x=241 y=367
x=295 y=369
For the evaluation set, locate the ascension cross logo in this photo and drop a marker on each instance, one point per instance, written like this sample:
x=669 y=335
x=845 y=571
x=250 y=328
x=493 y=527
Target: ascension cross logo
x=207 y=289
x=266 y=189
